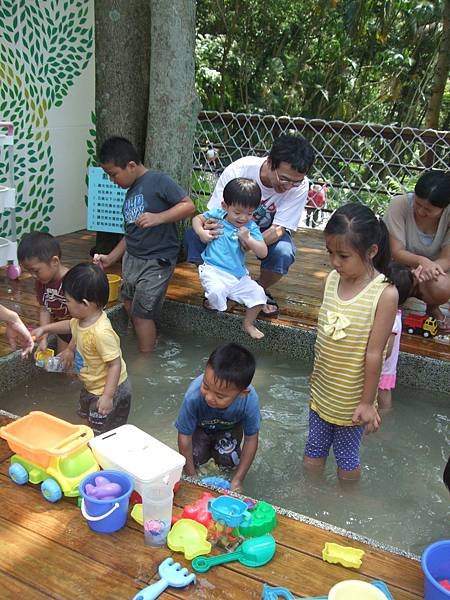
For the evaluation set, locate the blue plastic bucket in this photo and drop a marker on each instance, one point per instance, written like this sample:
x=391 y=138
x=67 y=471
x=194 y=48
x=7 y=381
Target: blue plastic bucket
x=436 y=566
x=106 y=516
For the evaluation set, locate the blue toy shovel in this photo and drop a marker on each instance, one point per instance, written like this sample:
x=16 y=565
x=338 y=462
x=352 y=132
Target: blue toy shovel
x=171 y=574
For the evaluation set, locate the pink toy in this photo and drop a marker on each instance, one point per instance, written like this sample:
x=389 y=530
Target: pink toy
x=13 y=271
x=198 y=511
x=103 y=489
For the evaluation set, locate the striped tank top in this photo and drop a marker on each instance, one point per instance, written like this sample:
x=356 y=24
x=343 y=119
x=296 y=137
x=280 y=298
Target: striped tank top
x=343 y=331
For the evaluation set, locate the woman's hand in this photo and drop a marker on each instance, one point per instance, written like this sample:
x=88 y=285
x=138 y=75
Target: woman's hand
x=17 y=333
x=367 y=415
x=213 y=226
x=428 y=270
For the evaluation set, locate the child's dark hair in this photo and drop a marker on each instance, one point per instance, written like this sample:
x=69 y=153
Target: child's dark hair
x=233 y=364
x=403 y=280
x=242 y=192
x=363 y=228
x=119 y=151
x=434 y=186
x=294 y=150
x=87 y=281
x=40 y=245
x=446 y=474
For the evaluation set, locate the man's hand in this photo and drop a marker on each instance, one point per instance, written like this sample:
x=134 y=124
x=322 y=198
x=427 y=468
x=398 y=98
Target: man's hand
x=367 y=414
x=104 y=405
x=148 y=219
x=213 y=226
x=207 y=235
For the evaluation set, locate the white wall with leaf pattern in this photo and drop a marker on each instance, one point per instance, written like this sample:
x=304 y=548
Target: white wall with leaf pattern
x=47 y=91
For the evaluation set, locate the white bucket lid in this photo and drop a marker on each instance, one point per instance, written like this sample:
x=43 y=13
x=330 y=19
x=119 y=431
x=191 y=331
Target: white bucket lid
x=136 y=452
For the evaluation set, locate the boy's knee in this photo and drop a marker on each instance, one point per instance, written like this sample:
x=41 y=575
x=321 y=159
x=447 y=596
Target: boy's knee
x=194 y=247
x=280 y=257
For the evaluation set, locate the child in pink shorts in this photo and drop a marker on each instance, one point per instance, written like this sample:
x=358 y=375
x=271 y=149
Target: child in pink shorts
x=403 y=279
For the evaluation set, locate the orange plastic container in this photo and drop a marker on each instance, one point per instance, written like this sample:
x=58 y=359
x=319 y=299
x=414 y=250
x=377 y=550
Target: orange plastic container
x=39 y=437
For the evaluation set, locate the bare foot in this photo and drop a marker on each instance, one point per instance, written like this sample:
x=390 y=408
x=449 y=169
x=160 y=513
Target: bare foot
x=252 y=331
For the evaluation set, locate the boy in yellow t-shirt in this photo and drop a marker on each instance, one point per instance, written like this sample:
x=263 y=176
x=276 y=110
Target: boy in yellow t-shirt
x=106 y=393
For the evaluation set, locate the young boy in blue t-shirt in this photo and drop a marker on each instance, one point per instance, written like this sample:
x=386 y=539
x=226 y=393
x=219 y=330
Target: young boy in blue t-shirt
x=223 y=274
x=219 y=408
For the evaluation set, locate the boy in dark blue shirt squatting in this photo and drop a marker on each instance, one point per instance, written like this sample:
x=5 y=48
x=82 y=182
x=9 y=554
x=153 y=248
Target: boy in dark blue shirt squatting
x=220 y=408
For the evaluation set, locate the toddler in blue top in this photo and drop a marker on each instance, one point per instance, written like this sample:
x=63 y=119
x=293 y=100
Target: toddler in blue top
x=219 y=408
x=223 y=274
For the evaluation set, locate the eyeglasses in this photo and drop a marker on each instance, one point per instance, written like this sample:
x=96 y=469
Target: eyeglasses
x=284 y=181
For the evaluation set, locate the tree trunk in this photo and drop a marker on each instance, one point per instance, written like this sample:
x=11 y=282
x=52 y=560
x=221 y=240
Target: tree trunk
x=173 y=104
x=440 y=73
x=122 y=69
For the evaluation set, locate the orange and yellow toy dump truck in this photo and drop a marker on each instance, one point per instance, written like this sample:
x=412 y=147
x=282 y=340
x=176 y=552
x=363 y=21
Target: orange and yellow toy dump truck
x=49 y=451
x=420 y=324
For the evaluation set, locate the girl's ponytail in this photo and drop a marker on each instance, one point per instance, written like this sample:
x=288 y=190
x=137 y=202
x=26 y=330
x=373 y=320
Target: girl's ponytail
x=382 y=261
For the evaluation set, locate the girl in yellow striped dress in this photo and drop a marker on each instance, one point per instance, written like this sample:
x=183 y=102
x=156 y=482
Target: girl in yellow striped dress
x=355 y=322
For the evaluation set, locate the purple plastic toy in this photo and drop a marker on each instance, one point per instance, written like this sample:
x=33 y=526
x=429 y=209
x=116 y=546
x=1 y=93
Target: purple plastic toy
x=103 y=489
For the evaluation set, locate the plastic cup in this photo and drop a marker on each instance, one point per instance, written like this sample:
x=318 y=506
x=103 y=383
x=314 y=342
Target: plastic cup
x=157 y=512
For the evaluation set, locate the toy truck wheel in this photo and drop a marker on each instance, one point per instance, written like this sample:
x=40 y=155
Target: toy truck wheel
x=426 y=334
x=51 y=490
x=410 y=330
x=18 y=474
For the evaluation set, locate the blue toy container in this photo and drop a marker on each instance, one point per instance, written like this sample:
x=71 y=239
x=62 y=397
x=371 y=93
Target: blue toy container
x=436 y=566
x=231 y=511
x=106 y=516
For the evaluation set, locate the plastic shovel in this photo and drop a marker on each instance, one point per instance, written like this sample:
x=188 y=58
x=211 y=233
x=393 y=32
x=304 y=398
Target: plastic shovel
x=254 y=552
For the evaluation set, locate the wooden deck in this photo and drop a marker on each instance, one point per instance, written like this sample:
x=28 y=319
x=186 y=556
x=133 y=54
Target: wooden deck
x=48 y=551
x=299 y=293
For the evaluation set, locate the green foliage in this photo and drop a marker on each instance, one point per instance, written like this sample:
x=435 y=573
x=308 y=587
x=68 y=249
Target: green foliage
x=368 y=61
x=44 y=47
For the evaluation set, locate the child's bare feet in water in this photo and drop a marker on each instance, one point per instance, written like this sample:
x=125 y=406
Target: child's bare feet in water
x=252 y=331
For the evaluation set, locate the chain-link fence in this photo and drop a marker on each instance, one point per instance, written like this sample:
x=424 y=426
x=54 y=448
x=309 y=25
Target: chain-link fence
x=356 y=161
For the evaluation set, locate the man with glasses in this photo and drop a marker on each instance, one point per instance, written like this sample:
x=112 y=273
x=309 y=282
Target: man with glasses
x=284 y=186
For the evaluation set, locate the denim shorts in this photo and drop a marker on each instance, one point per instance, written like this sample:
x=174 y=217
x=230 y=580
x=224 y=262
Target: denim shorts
x=345 y=440
x=145 y=283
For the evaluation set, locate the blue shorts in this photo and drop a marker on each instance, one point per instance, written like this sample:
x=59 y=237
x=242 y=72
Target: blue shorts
x=346 y=441
x=279 y=258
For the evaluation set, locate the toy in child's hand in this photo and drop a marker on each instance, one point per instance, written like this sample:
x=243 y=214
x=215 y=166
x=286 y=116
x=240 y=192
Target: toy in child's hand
x=172 y=574
x=345 y=555
x=103 y=489
x=218 y=482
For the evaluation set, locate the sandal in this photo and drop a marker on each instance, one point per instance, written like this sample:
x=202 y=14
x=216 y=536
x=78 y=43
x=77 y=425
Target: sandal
x=270 y=302
x=207 y=307
x=443 y=325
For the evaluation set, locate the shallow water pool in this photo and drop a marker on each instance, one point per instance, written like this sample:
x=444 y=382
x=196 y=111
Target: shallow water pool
x=400 y=500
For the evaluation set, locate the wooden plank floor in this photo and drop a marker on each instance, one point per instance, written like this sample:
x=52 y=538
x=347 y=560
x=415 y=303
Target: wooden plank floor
x=299 y=293
x=48 y=551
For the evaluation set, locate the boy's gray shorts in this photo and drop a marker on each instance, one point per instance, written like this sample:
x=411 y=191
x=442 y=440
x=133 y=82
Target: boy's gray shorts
x=145 y=282
x=118 y=415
